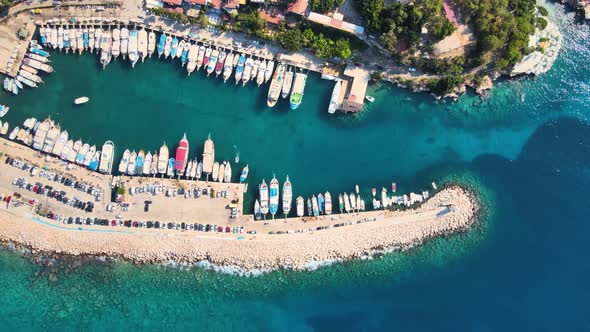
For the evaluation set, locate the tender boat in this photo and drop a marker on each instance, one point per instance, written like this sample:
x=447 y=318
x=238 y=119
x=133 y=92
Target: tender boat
x=321 y=203
x=81 y=100
x=340 y=202
x=244 y=174
x=309 y=208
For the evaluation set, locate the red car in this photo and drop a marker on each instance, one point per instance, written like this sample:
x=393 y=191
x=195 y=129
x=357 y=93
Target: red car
x=8 y=199
x=220 y=229
x=227 y=229
x=113 y=223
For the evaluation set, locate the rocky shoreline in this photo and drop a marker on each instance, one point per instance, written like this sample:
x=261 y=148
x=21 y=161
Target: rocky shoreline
x=391 y=231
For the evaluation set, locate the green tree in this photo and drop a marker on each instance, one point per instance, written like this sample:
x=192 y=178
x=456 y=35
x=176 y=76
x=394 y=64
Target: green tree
x=389 y=40
x=541 y=23
x=291 y=39
x=322 y=47
x=542 y=10
x=341 y=49
x=370 y=10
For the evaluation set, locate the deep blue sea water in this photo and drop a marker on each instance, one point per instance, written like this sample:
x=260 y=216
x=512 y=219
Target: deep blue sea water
x=526 y=150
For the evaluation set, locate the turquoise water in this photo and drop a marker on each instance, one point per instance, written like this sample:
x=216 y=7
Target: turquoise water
x=525 y=149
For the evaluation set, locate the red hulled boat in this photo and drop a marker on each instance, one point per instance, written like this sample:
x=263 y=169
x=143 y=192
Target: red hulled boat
x=181 y=158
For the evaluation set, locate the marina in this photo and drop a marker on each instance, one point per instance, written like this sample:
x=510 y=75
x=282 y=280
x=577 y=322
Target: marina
x=111 y=39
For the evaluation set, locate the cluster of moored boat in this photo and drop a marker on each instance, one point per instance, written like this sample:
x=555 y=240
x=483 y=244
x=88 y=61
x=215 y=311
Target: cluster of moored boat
x=179 y=165
x=322 y=203
x=138 y=44
x=46 y=136
x=134 y=43
x=36 y=60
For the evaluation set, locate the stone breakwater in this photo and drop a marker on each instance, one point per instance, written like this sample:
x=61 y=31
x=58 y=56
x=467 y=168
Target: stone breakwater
x=255 y=253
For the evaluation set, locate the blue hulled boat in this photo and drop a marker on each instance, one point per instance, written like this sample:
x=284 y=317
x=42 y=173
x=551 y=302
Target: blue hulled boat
x=161 y=45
